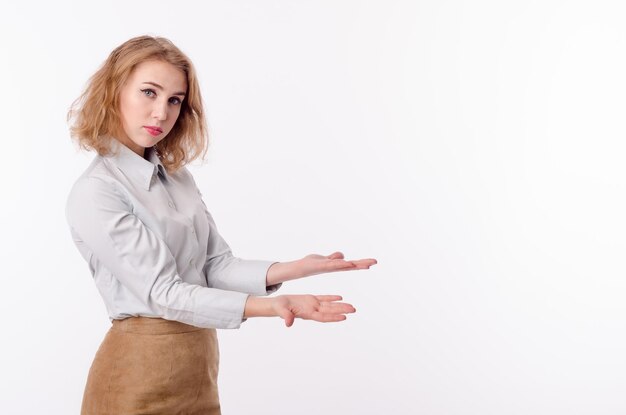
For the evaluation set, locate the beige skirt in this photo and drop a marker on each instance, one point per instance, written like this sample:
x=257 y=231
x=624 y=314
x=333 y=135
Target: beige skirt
x=154 y=366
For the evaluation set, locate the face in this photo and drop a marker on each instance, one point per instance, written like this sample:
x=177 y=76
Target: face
x=151 y=97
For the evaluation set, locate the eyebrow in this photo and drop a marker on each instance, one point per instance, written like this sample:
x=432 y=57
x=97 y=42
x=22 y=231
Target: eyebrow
x=161 y=88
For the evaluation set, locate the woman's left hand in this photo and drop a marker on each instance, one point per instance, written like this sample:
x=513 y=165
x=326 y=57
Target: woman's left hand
x=314 y=264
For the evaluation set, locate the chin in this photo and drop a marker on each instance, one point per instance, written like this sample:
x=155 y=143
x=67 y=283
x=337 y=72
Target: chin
x=148 y=141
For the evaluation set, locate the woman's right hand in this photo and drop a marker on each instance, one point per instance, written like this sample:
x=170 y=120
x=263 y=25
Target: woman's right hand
x=323 y=308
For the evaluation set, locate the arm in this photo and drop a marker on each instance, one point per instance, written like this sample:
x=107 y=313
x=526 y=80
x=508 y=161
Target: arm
x=314 y=264
x=265 y=277
x=101 y=218
x=323 y=308
x=225 y=271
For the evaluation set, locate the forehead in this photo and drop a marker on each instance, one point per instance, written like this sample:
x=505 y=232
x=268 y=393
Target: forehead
x=163 y=73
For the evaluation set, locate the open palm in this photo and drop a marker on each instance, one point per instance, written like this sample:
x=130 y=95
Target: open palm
x=323 y=308
x=319 y=264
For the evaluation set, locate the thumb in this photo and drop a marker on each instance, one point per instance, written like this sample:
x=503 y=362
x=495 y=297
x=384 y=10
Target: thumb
x=290 y=320
x=286 y=315
x=335 y=255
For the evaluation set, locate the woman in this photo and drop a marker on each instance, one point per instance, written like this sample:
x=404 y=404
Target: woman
x=167 y=277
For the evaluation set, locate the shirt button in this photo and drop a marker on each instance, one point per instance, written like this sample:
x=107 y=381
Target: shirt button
x=171 y=204
x=193 y=230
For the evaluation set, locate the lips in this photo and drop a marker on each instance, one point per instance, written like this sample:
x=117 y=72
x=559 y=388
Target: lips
x=153 y=130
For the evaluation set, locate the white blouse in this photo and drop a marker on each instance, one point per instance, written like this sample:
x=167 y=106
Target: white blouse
x=152 y=246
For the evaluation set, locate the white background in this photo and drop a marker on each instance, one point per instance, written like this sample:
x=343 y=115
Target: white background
x=474 y=148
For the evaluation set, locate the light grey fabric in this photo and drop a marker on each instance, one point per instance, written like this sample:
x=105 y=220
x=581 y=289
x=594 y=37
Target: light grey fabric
x=153 y=247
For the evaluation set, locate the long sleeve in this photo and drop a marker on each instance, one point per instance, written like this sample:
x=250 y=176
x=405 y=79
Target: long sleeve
x=225 y=271
x=101 y=219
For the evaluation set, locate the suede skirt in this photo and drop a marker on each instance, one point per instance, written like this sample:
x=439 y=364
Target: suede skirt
x=149 y=365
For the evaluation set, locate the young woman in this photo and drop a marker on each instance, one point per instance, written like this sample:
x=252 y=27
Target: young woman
x=167 y=277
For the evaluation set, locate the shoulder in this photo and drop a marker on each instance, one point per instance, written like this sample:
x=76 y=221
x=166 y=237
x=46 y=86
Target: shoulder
x=184 y=176
x=96 y=189
x=87 y=186
x=184 y=173
x=99 y=176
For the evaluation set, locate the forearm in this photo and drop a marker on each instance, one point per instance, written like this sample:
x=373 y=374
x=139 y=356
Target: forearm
x=313 y=264
x=259 y=307
x=281 y=272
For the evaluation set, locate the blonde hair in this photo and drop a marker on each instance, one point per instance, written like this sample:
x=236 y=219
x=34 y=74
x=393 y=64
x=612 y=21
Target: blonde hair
x=95 y=113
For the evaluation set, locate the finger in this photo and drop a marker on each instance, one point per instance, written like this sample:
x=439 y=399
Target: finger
x=364 y=263
x=328 y=297
x=327 y=318
x=286 y=315
x=336 y=308
x=358 y=264
x=335 y=255
x=289 y=322
x=334 y=304
x=338 y=265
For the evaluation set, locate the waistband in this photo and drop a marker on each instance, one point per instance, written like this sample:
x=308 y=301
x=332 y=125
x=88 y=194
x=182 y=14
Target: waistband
x=152 y=325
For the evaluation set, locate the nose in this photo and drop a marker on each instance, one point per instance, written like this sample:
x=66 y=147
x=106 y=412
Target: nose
x=159 y=111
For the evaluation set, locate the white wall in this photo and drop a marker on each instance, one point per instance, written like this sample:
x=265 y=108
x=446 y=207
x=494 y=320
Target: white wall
x=475 y=148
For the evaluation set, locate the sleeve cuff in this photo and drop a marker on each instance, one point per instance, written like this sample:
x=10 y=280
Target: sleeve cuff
x=270 y=289
x=223 y=311
x=247 y=276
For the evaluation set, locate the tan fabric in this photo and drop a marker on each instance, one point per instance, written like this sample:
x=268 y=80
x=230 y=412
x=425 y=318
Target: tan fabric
x=154 y=366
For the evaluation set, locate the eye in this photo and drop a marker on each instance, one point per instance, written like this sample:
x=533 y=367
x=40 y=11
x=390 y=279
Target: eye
x=147 y=90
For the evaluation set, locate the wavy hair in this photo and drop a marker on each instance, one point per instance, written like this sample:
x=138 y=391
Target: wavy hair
x=95 y=116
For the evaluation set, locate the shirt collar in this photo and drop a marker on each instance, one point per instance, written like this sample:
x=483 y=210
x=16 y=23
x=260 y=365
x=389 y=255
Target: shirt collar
x=141 y=169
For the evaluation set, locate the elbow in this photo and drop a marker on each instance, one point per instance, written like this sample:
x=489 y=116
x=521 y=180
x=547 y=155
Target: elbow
x=168 y=295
